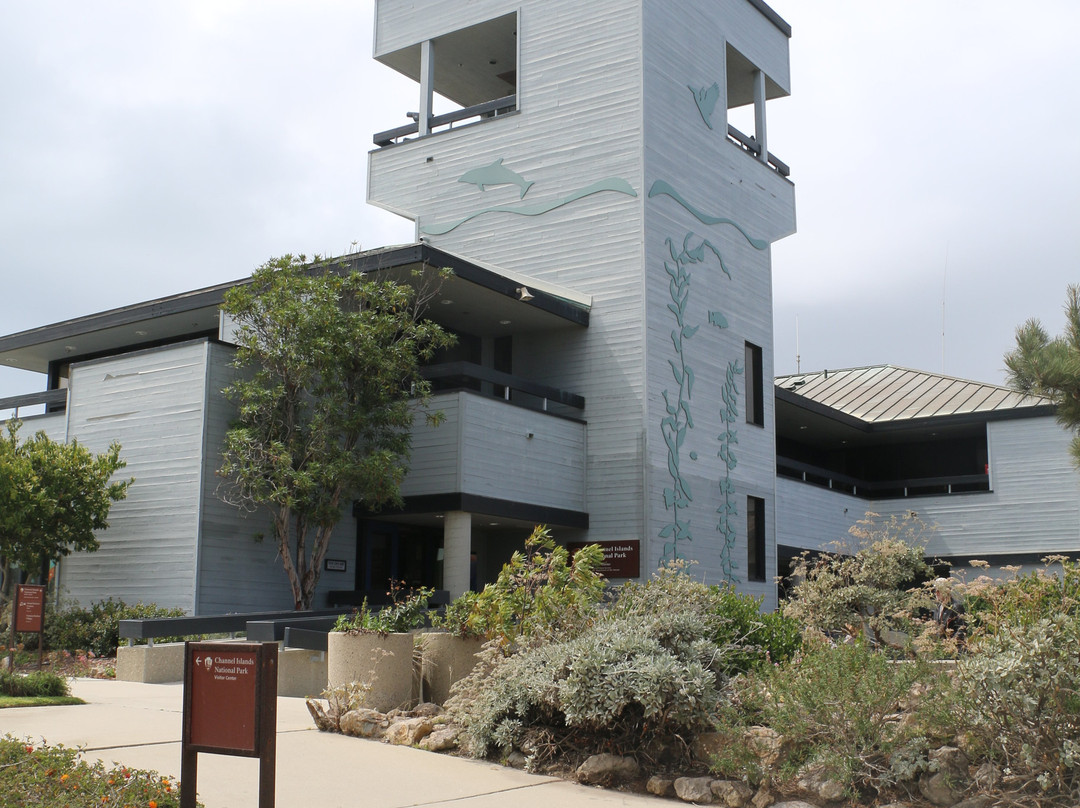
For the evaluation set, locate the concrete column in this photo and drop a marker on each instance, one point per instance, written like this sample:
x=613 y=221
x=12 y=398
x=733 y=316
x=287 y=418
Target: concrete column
x=427 y=85
x=760 y=133
x=457 y=551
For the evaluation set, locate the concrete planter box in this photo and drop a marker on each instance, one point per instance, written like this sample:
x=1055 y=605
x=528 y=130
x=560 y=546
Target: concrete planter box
x=446 y=658
x=385 y=662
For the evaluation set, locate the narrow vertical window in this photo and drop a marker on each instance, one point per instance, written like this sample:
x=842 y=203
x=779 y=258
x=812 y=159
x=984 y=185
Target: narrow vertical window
x=755 y=388
x=755 y=539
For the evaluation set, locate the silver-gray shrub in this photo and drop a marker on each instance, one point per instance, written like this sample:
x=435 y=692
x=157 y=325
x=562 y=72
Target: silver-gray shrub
x=1019 y=697
x=648 y=666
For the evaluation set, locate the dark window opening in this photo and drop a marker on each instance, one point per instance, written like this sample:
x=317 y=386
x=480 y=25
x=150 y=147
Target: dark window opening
x=755 y=392
x=755 y=539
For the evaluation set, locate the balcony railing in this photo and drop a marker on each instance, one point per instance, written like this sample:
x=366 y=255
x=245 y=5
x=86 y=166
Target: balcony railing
x=488 y=109
x=470 y=376
x=751 y=145
x=54 y=401
x=881 y=489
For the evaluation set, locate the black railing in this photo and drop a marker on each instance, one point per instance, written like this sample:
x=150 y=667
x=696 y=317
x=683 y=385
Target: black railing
x=881 y=489
x=470 y=376
x=54 y=400
x=151 y=628
x=752 y=146
x=488 y=109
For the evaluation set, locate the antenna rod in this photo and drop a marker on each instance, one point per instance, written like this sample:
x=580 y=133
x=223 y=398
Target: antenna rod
x=944 y=278
x=798 y=364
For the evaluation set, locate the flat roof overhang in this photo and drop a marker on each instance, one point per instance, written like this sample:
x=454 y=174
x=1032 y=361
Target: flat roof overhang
x=479 y=299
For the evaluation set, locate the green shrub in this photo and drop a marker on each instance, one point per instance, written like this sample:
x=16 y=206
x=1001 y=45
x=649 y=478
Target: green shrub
x=97 y=628
x=540 y=593
x=38 y=683
x=870 y=587
x=644 y=670
x=1020 y=700
x=55 y=775
x=408 y=611
x=835 y=708
x=1024 y=600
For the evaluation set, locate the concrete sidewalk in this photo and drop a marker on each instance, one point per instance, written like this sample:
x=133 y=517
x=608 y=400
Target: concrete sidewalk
x=139 y=725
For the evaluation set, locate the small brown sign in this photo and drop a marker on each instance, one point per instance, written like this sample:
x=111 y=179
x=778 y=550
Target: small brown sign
x=30 y=608
x=230 y=708
x=223 y=682
x=622 y=559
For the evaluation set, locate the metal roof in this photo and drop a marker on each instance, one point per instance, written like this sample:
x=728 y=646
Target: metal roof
x=883 y=394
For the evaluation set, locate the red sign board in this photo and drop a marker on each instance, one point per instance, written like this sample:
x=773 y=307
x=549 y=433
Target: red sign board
x=29 y=608
x=223 y=682
x=622 y=559
x=230 y=708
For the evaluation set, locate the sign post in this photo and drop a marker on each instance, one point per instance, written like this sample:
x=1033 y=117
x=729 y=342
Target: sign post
x=230 y=708
x=29 y=618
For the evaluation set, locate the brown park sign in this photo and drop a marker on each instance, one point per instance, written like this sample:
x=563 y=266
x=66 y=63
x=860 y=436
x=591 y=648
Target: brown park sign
x=29 y=618
x=230 y=708
x=622 y=559
x=29 y=608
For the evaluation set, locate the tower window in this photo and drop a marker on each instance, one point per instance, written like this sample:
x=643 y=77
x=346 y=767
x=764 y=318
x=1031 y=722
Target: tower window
x=755 y=392
x=755 y=539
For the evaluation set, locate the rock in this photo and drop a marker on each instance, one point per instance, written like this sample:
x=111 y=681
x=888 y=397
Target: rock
x=441 y=739
x=707 y=745
x=694 y=789
x=816 y=783
x=763 y=799
x=950 y=760
x=987 y=776
x=794 y=804
x=660 y=786
x=516 y=760
x=606 y=769
x=766 y=743
x=939 y=789
x=980 y=801
x=409 y=732
x=948 y=778
x=896 y=805
x=426 y=710
x=364 y=723
x=732 y=793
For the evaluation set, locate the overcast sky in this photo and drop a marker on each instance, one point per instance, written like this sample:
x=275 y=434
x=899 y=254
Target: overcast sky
x=148 y=148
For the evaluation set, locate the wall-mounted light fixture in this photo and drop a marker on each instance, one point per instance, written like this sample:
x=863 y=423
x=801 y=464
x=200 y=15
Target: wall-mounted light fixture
x=524 y=295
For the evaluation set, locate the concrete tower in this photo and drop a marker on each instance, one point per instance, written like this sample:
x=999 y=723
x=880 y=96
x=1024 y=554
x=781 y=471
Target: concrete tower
x=586 y=147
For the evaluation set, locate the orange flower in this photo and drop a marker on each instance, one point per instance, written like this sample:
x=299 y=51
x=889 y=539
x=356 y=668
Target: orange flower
x=64 y=778
x=153 y=804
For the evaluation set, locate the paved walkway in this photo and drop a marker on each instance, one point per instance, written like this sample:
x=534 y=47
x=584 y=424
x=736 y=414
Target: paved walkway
x=139 y=725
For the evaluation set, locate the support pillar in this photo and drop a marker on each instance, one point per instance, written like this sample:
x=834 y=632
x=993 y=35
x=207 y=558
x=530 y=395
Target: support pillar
x=760 y=134
x=457 y=552
x=427 y=85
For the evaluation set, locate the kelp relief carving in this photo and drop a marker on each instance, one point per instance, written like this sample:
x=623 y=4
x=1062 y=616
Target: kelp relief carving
x=678 y=423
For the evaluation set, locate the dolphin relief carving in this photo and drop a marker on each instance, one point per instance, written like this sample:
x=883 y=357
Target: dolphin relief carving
x=496 y=174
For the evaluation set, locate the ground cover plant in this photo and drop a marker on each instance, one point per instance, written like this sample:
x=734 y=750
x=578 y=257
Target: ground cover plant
x=34 y=773
x=36 y=689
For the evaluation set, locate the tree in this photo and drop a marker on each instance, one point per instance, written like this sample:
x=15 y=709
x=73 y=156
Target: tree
x=1049 y=367
x=53 y=499
x=330 y=365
